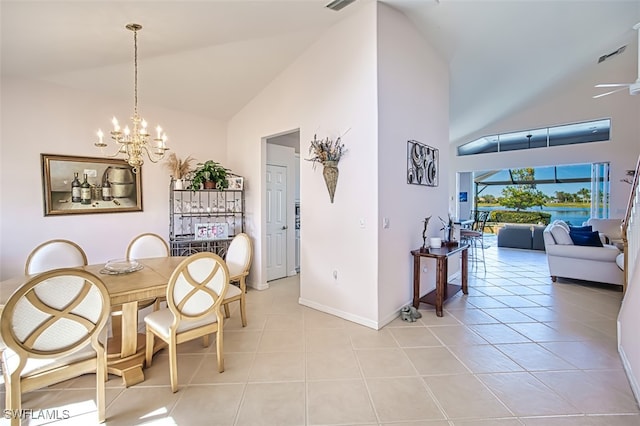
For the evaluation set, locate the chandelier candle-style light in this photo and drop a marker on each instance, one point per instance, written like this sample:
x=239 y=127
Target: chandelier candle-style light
x=137 y=140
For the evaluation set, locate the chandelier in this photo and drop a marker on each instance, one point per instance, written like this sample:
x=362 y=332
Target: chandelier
x=135 y=142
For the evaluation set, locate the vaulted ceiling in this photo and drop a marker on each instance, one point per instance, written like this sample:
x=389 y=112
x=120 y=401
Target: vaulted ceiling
x=212 y=57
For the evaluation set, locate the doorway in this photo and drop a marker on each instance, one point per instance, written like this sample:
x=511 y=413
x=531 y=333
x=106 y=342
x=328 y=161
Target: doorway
x=282 y=198
x=276 y=222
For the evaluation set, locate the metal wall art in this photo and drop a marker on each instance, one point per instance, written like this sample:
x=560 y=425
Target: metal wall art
x=422 y=164
x=80 y=185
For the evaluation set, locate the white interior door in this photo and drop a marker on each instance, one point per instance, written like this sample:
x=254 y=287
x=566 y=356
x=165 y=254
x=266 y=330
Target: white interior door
x=276 y=222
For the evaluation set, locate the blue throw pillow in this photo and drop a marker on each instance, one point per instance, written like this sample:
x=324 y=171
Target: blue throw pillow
x=591 y=239
x=587 y=228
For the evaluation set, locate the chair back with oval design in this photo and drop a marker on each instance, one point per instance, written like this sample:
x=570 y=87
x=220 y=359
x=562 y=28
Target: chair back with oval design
x=197 y=287
x=196 y=290
x=238 y=260
x=53 y=328
x=147 y=245
x=55 y=254
x=239 y=255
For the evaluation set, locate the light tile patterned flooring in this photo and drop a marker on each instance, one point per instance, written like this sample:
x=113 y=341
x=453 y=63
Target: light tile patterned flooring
x=518 y=350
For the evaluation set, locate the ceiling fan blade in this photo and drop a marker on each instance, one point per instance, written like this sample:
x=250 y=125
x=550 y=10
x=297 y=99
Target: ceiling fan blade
x=608 y=93
x=613 y=85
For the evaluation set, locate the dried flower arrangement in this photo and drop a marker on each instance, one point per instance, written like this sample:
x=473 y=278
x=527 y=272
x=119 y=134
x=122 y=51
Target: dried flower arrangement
x=179 y=168
x=325 y=150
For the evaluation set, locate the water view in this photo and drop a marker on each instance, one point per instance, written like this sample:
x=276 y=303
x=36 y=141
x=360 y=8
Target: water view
x=572 y=215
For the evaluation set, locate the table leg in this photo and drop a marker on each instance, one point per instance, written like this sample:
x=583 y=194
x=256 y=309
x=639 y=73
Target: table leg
x=465 y=271
x=441 y=284
x=126 y=349
x=416 y=281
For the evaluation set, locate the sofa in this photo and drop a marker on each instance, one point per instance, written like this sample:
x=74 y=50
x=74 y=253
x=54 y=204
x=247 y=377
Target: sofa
x=582 y=262
x=521 y=236
x=610 y=230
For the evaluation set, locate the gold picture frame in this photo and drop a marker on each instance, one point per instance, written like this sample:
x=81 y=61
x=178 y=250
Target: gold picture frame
x=124 y=193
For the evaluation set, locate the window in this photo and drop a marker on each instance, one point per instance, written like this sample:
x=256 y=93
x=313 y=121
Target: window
x=591 y=131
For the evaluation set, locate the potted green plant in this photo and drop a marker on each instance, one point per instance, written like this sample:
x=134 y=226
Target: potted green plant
x=210 y=175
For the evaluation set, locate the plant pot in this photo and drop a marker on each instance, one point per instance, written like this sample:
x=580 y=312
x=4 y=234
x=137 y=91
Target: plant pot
x=209 y=184
x=178 y=184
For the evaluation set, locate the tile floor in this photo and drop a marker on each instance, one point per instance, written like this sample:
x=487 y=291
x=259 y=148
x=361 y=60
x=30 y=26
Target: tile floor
x=518 y=350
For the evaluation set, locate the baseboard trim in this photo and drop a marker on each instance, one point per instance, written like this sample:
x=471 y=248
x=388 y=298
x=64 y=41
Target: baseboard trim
x=257 y=286
x=341 y=314
x=629 y=372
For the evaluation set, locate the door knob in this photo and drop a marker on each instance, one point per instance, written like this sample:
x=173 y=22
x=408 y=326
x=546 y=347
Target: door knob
x=285 y=227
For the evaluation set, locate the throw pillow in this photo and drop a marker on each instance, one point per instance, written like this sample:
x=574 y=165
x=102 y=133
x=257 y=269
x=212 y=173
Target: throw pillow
x=586 y=228
x=561 y=235
x=591 y=239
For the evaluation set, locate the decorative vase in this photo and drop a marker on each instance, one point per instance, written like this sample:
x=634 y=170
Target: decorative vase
x=178 y=184
x=330 y=173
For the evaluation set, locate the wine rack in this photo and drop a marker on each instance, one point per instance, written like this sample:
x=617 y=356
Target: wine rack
x=203 y=220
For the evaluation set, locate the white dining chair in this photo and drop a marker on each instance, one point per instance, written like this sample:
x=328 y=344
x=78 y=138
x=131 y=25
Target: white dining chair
x=54 y=254
x=195 y=293
x=145 y=246
x=53 y=327
x=238 y=260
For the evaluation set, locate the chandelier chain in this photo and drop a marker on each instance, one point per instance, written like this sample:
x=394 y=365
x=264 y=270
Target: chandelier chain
x=135 y=72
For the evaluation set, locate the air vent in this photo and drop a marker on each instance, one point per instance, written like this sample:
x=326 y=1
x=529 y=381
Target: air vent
x=339 y=4
x=615 y=52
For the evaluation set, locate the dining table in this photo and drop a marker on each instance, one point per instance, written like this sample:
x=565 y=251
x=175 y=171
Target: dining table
x=126 y=347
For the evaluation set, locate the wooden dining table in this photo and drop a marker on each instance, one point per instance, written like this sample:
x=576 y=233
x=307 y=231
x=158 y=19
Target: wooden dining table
x=126 y=348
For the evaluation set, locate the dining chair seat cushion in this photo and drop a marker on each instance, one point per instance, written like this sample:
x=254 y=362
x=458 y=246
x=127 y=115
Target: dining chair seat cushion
x=37 y=365
x=233 y=291
x=161 y=320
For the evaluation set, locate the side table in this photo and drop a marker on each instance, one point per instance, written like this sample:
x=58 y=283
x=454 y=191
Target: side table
x=443 y=289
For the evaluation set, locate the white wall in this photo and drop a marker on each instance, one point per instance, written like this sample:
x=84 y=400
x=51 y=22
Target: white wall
x=628 y=343
x=329 y=89
x=43 y=118
x=413 y=103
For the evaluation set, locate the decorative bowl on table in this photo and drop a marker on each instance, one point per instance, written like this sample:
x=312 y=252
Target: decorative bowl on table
x=121 y=266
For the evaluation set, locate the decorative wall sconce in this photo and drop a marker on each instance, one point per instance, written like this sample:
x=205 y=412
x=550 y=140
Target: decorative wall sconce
x=327 y=152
